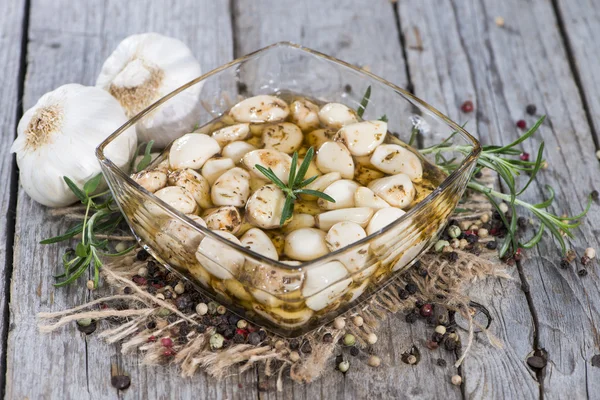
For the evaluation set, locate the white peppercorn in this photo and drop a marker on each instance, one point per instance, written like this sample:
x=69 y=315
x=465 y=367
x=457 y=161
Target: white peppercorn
x=179 y=288
x=339 y=323
x=374 y=361
x=358 y=320
x=590 y=253
x=344 y=366
x=372 y=338
x=201 y=309
x=456 y=380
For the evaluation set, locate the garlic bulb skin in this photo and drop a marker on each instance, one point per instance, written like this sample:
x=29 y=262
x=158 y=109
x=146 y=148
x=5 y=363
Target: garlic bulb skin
x=142 y=69
x=58 y=137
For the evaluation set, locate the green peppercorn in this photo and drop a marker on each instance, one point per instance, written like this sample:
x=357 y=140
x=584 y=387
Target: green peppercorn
x=212 y=308
x=163 y=312
x=440 y=244
x=216 y=341
x=221 y=310
x=344 y=366
x=454 y=231
x=349 y=339
x=83 y=322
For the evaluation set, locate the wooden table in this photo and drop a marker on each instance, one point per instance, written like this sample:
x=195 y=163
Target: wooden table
x=546 y=53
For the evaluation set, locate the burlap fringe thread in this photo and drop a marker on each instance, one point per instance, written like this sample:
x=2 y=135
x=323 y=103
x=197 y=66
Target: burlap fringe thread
x=444 y=280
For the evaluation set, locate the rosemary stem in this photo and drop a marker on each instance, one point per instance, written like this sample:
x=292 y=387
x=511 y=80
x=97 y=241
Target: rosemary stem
x=87 y=211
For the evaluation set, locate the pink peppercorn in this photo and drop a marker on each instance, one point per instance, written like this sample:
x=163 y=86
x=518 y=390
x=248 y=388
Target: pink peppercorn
x=467 y=106
x=524 y=156
x=152 y=339
x=167 y=342
x=168 y=352
x=426 y=310
x=521 y=124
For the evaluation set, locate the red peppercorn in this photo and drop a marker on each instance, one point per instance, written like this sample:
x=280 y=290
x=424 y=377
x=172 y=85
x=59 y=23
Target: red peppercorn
x=467 y=106
x=152 y=338
x=426 y=310
x=521 y=124
x=243 y=332
x=166 y=341
x=140 y=280
x=251 y=328
x=469 y=233
x=518 y=254
x=524 y=156
x=168 y=352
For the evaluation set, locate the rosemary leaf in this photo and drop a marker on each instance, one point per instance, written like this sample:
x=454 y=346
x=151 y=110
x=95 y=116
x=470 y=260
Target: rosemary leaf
x=364 y=102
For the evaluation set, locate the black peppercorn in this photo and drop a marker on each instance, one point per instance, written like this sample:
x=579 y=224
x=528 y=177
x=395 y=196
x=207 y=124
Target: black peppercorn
x=450 y=344
x=183 y=302
x=207 y=320
x=422 y=272
x=151 y=290
x=229 y=333
x=152 y=268
x=347 y=88
x=595 y=195
x=233 y=319
x=492 y=245
x=531 y=109
x=168 y=294
x=478 y=174
x=419 y=303
x=120 y=382
x=142 y=255
x=403 y=294
x=354 y=351
x=263 y=335
x=327 y=338
x=254 y=338
x=221 y=328
x=411 y=318
x=239 y=338
x=437 y=337
x=452 y=256
x=472 y=238
x=151 y=325
x=184 y=328
x=564 y=264
x=432 y=320
x=522 y=222
x=441 y=362
x=200 y=328
x=496 y=215
x=294 y=344
x=172 y=318
x=411 y=288
x=127 y=290
x=306 y=347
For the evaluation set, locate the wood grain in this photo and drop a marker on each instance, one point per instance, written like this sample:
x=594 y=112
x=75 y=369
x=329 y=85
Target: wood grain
x=69 y=44
x=11 y=33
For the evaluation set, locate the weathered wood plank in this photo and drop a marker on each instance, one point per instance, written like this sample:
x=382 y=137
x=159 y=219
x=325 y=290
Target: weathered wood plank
x=69 y=44
x=366 y=36
x=11 y=33
x=520 y=63
x=442 y=73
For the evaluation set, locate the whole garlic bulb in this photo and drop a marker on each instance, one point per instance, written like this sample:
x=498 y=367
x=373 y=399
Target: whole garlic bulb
x=58 y=136
x=142 y=69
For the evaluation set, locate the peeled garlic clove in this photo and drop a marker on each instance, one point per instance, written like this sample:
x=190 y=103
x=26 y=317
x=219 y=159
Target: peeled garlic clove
x=268 y=158
x=321 y=183
x=324 y=284
x=178 y=198
x=196 y=185
x=364 y=175
x=364 y=197
x=258 y=241
x=285 y=317
x=299 y=221
x=319 y=136
x=265 y=298
x=342 y=192
x=395 y=159
x=285 y=137
x=226 y=218
x=192 y=150
x=270 y=278
x=335 y=157
x=359 y=215
x=142 y=69
x=262 y=108
x=237 y=150
x=305 y=244
x=215 y=167
x=218 y=258
x=231 y=133
x=362 y=138
x=151 y=180
x=232 y=188
x=383 y=218
x=336 y=115
x=264 y=207
x=305 y=114
x=187 y=236
x=344 y=234
x=396 y=190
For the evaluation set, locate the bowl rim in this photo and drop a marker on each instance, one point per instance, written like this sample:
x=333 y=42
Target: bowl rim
x=464 y=166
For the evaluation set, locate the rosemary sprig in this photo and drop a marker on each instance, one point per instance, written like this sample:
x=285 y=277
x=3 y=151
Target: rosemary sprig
x=506 y=161
x=364 y=103
x=295 y=185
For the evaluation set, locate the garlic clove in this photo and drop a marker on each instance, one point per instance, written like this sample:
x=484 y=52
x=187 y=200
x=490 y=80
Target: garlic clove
x=305 y=244
x=344 y=234
x=258 y=241
x=285 y=137
x=151 y=180
x=265 y=298
x=238 y=290
x=342 y=192
x=184 y=234
x=178 y=198
x=271 y=279
x=192 y=151
x=336 y=115
x=321 y=183
x=264 y=207
x=299 y=221
x=50 y=143
x=362 y=138
x=232 y=188
x=358 y=215
x=142 y=69
x=215 y=167
x=231 y=133
x=226 y=218
x=195 y=184
x=335 y=157
x=218 y=258
x=305 y=114
x=396 y=190
x=237 y=150
x=262 y=108
x=364 y=197
x=319 y=136
x=324 y=284
x=383 y=218
x=268 y=158
x=395 y=159
x=285 y=317
x=364 y=175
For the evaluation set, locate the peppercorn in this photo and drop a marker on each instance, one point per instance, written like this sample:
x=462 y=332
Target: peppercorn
x=242 y=324
x=151 y=325
x=403 y=294
x=492 y=245
x=372 y=338
x=452 y=256
x=358 y=320
x=339 y=323
x=294 y=356
x=238 y=339
x=86 y=325
x=437 y=337
x=254 y=338
x=590 y=253
x=419 y=303
x=595 y=195
x=426 y=310
x=536 y=362
x=467 y=106
x=354 y=351
x=142 y=255
x=441 y=362
x=411 y=288
x=183 y=302
x=472 y=238
x=166 y=341
x=262 y=334
x=120 y=382
x=344 y=366
x=564 y=264
x=456 y=380
x=216 y=341
x=201 y=308
x=349 y=339
x=411 y=318
x=294 y=344
x=454 y=231
x=411 y=360
x=229 y=333
x=221 y=310
x=582 y=271
x=327 y=338
x=521 y=124
x=440 y=244
x=374 y=361
x=450 y=344
x=200 y=328
x=531 y=109
x=422 y=272
x=212 y=307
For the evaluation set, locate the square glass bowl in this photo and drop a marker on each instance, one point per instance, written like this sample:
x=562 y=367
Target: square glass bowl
x=292 y=300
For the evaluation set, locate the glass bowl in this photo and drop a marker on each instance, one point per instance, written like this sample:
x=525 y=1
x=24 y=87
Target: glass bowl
x=292 y=300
